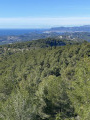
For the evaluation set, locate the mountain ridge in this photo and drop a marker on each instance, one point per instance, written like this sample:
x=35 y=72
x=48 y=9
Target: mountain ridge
x=84 y=28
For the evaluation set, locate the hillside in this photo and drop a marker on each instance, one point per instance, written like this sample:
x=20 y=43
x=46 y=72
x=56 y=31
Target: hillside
x=46 y=79
x=79 y=35
x=36 y=44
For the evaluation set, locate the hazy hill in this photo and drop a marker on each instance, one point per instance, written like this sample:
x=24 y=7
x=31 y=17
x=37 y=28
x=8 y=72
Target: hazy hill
x=79 y=35
x=85 y=28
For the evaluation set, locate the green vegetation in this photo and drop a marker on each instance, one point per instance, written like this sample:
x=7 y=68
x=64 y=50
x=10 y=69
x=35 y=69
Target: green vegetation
x=45 y=80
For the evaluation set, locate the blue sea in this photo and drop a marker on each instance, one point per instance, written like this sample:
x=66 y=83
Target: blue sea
x=7 y=32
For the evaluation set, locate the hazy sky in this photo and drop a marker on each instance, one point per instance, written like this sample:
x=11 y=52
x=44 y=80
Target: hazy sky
x=43 y=13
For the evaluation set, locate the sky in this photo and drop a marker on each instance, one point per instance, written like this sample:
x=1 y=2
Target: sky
x=44 y=13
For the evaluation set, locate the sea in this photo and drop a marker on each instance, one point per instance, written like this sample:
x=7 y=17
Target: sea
x=7 y=32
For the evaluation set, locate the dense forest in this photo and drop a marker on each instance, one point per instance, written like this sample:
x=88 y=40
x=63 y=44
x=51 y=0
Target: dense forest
x=46 y=79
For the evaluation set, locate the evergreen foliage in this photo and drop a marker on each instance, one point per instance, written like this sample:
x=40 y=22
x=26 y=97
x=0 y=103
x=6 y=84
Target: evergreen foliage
x=45 y=81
